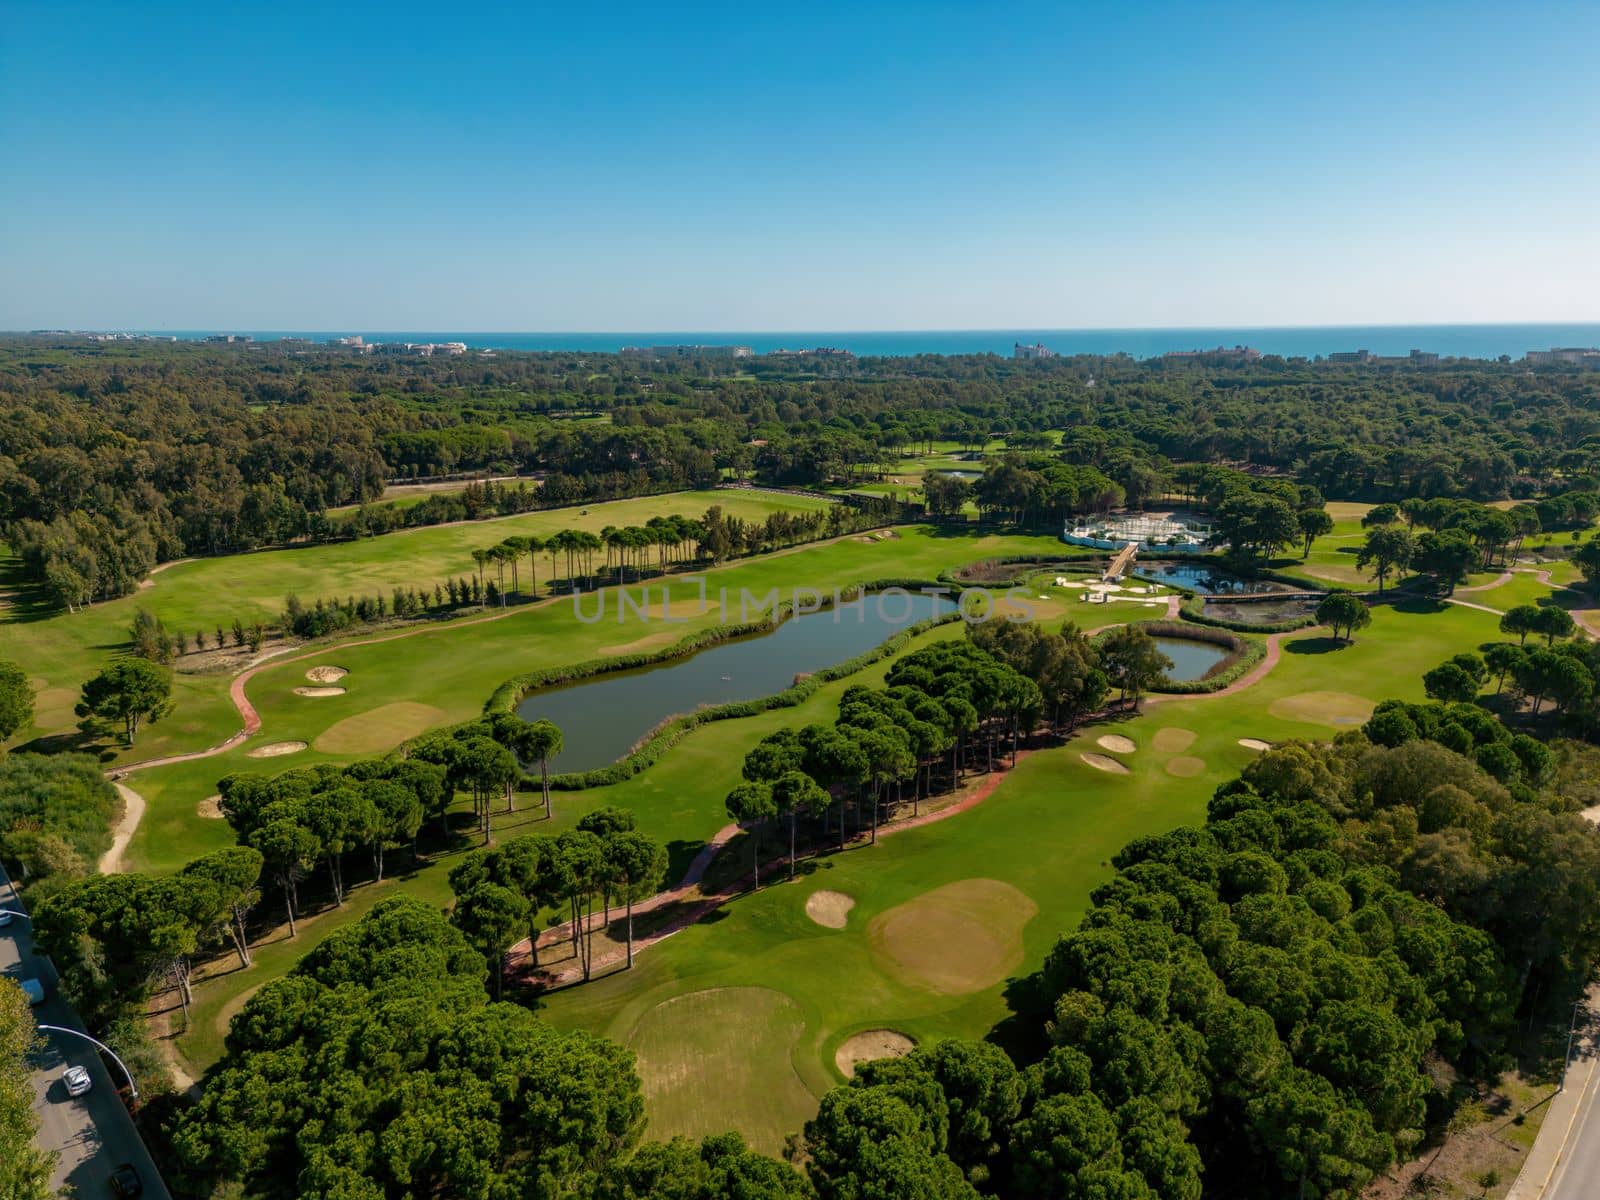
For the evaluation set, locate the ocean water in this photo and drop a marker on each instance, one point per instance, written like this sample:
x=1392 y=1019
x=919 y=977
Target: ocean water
x=1458 y=341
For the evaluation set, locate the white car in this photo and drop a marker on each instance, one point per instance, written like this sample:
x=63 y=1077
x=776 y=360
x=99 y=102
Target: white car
x=77 y=1081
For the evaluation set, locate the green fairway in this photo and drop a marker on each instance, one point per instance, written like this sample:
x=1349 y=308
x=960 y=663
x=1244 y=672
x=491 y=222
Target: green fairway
x=60 y=650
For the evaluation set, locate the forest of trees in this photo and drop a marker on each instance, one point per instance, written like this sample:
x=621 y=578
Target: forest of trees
x=1263 y=1004
x=119 y=457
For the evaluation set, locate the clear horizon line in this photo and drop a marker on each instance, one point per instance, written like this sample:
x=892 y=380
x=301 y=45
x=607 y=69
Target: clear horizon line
x=1003 y=329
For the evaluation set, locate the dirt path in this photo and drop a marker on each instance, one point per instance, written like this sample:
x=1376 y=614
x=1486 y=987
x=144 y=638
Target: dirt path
x=1498 y=612
x=111 y=862
x=698 y=905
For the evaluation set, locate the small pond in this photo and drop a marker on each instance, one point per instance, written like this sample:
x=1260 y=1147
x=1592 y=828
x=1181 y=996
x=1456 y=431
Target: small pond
x=601 y=718
x=1190 y=659
x=1259 y=612
x=968 y=476
x=1206 y=579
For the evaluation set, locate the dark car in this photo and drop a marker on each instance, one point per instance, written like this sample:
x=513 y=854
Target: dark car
x=125 y=1181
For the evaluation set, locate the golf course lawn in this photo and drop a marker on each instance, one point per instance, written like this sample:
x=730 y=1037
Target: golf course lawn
x=738 y=1020
x=61 y=650
x=1029 y=855
x=679 y=802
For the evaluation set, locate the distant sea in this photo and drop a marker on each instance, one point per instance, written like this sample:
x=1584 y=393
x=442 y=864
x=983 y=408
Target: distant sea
x=1458 y=341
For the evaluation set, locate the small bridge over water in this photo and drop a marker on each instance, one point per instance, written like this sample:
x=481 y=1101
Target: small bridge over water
x=1120 y=564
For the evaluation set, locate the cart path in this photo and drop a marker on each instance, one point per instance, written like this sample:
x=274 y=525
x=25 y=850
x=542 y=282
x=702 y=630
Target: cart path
x=112 y=861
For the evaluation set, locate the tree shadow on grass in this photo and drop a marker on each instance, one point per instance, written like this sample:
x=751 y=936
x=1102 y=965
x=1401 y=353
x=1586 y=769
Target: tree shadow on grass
x=1316 y=645
x=1412 y=604
x=1569 y=598
x=1021 y=1034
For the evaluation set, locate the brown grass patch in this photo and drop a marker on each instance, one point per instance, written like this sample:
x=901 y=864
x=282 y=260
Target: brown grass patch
x=275 y=750
x=1323 y=708
x=381 y=728
x=720 y=1059
x=1101 y=763
x=648 y=642
x=1116 y=743
x=831 y=909
x=53 y=707
x=319 y=691
x=868 y=1045
x=955 y=940
x=326 y=674
x=1173 y=740
x=210 y=808
x=1185 y=766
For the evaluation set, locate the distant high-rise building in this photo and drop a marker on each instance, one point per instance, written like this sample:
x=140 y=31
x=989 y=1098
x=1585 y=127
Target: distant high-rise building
x=1037 y=350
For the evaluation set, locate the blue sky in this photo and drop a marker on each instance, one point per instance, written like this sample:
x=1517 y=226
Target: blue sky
x=815 y=166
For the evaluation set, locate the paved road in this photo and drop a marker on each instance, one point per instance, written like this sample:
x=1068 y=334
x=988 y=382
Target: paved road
x=1577 y=1173
x=94 y=1132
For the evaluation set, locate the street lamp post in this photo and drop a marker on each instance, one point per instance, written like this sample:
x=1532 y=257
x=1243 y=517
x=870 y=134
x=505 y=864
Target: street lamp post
x=14 y=912
x=132 y=1087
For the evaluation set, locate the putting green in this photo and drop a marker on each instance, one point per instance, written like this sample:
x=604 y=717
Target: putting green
x=1323 y=708
x=734 y=1039
x=955 y=940
x=380 y=728
x=1172 y=740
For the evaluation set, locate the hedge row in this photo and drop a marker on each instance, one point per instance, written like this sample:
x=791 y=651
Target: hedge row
x=1193 y=611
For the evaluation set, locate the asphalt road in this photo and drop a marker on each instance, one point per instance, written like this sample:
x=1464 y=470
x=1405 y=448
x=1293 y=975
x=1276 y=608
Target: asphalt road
x=94 y=1132
x=1577 y=1174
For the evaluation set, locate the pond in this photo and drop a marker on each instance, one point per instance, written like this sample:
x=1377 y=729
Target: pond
x=1206 y=579
x=1190 y=659
x=968 y=476
x=1259 y=612
x=602 y=718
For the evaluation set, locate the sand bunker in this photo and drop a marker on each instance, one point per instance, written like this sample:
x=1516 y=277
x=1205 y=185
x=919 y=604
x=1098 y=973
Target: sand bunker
x=1185 y=767
x=210 y=808
x=829 y=908
x=1117 y=744
x=868 y=1045
x=326 y=674
x=319 y=691
x=1101 y=763
x=1173 y=740
x=274 y=749
x=1255 y=744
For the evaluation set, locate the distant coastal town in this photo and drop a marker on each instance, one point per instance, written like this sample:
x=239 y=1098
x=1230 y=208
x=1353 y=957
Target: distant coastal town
x=1216 y=356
